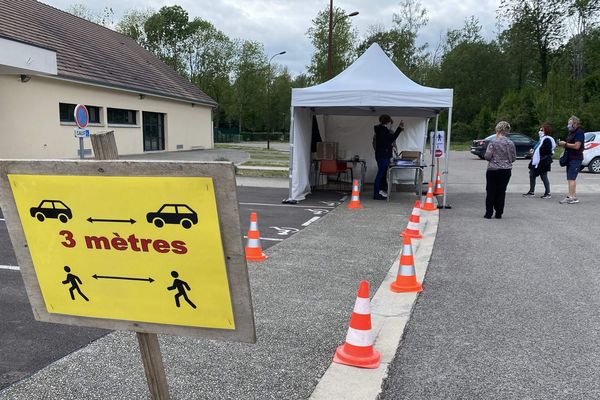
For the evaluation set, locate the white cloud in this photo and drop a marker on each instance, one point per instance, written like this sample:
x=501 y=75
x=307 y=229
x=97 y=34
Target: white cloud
x=282 y=24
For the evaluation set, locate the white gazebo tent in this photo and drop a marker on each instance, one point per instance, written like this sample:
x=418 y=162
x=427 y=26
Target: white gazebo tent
x=348 y=106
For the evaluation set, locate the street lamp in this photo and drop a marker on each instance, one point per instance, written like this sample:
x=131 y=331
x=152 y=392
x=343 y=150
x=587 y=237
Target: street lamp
x=269 y=95
x=330 y=39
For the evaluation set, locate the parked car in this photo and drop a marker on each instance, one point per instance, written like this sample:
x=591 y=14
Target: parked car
x=173 y=214
x=523 y=144
x=51 y=209
x=591 y=152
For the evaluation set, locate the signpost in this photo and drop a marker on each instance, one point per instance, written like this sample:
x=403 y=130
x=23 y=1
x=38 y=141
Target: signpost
x=82 y=118
x=153 y=247
x=437 y=144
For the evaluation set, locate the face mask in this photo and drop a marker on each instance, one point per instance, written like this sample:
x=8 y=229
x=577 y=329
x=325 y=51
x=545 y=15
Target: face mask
x=541 y=133
x=570 y=127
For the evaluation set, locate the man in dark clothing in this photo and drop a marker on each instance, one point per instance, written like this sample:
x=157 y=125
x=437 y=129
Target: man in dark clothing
x=574 y=144
x=384 y=140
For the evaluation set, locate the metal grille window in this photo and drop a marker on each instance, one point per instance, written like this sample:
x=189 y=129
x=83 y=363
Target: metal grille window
x=121 y=116
x=66 y=112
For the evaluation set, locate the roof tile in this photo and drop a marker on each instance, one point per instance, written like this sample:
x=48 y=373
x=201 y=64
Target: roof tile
x=89 y=52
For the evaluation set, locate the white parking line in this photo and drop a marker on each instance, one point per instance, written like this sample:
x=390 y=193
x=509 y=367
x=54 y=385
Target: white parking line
x=264 y=238
x=310 y=221
x=10 y=267
x=281 y=205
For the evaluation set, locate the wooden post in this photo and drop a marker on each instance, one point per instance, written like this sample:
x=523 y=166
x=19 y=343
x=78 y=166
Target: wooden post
x=153 y=366
x=105 y=146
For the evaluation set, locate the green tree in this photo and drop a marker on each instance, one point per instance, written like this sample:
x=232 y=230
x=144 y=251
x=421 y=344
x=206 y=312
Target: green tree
x=478 y=73
x=167 y=33
x=344 y=39
x=104 y=17
x=399 y=42
x=543 y=21
x=281 y=98
x=250 y=85
x=210 y=60
x=132 y=24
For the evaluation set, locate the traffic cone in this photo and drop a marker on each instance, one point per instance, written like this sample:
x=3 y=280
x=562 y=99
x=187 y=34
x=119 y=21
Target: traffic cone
x=412 y=229
x=355 y=200
x=428 y=205
x=439 y=190
x=406 y=280
x=253 y=248
x=358 y=349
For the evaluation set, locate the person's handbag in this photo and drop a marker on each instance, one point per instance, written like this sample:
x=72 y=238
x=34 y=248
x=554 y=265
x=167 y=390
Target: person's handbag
x=564 y=159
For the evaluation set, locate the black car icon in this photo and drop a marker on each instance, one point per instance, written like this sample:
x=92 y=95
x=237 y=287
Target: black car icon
x=51 y=209
x=173 y=214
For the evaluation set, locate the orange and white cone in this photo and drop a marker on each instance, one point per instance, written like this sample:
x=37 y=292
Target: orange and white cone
x=428 y=205
x=253 y=248
x=355 y=200
x=358 y=350
x=412 y=229
x=406 y=281
x=439 y=190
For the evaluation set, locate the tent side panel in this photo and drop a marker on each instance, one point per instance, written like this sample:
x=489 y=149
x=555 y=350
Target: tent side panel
x=300 y=177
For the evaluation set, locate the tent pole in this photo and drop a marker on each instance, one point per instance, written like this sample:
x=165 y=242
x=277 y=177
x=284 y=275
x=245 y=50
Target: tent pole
x=447 y=160
x=432 y=144
x=291 y=167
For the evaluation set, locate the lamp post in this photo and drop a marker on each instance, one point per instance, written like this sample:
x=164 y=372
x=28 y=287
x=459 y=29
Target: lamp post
x=330 y=37
x=270 y=127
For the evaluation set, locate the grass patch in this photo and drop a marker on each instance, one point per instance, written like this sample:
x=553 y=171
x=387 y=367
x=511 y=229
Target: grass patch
x=461 y=146
x=257 y=153
x=263 y=174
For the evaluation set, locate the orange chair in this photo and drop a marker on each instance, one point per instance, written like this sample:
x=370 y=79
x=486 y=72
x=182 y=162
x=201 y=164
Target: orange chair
x=327 y=167
x=344 y=168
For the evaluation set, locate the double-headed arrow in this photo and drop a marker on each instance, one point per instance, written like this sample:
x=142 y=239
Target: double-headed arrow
x=149 y=280
x=92 y=220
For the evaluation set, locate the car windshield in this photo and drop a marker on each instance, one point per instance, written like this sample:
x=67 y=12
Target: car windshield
x=589 y=137
x=168 y=209
x=491 y=137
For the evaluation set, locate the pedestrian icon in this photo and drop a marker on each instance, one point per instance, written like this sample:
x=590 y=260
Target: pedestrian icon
x=181 y=287
x=75 y=282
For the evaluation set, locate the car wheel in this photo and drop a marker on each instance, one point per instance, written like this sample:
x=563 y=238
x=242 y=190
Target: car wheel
x=481 y=157
x=63 y=218
x=186 y=223
x=159 y=222
x=40 y=217
x=594 y=166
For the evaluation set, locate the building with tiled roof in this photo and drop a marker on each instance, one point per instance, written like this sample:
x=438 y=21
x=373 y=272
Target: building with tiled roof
x=51 y=60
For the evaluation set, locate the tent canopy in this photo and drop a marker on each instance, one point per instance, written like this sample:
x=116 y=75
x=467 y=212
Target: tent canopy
x=371 y=86
x=372 y=81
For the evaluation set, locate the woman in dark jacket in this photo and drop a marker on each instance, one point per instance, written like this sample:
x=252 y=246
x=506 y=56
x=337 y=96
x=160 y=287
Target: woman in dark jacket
x=384 y=139
x=541 y=159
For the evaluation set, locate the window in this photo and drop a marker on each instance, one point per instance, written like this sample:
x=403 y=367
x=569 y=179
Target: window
x=520 y=138
x=123 y=117
x=67 y=113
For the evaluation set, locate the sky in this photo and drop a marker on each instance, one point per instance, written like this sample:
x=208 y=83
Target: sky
x=281 y=25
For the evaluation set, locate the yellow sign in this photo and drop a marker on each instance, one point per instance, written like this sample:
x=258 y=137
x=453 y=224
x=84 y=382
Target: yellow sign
x=144 y=249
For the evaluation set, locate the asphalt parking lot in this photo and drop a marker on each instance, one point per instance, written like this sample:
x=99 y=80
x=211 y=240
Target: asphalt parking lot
x=41 y=343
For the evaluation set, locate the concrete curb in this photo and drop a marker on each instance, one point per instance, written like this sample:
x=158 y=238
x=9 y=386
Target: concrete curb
x=261 y=168
x=389 y=314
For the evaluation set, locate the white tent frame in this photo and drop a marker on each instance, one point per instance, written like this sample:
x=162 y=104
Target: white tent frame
x=354 y=92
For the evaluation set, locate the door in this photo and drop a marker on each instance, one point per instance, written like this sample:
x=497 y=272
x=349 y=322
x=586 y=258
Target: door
x=154 y=131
